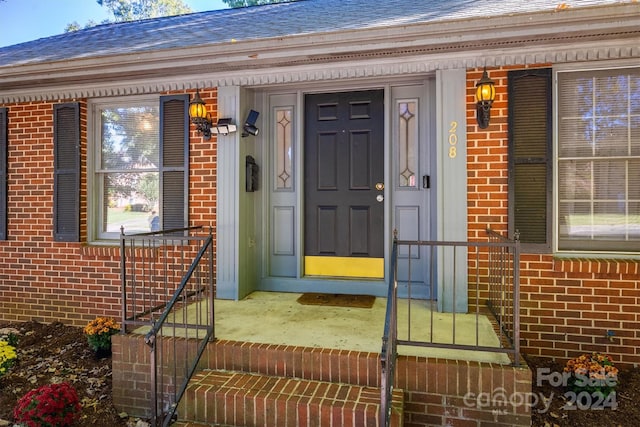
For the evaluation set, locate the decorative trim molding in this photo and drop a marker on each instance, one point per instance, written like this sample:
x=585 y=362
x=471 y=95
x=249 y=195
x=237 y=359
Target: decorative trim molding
x=367 y=66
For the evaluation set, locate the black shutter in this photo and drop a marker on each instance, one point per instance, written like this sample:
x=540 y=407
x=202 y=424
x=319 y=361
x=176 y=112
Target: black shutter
x=174 y=161
x=66 y=175
x=530 y=180
x=4 y=145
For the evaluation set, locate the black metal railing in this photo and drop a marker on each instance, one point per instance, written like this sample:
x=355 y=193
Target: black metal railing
x=168 y=294
x=389 y=352
x=504 y=291
x=491 y=271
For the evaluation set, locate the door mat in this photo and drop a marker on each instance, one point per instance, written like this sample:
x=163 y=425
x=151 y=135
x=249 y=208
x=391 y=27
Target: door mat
x=337 y=300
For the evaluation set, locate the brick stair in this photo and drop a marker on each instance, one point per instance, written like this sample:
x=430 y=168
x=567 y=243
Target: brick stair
x=435 y=391
x=245 y=384
x=232 y=398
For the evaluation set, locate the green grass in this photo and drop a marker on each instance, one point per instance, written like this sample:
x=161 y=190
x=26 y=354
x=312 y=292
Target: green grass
x=603 y=219
x=131 y=221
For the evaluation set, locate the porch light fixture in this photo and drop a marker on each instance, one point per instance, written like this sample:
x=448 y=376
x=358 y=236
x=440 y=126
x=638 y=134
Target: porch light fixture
x=249 y=127
x=485 y=95
x=202 y=119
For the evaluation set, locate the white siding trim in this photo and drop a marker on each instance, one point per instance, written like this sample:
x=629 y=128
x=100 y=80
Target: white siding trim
x=374 y=67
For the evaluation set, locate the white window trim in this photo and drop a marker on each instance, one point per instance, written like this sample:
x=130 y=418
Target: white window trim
x=567 y=68
x=94 y=193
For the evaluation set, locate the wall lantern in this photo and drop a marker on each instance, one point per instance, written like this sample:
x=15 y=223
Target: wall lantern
x=485 y=95
x=202 y=119
x=249 y=127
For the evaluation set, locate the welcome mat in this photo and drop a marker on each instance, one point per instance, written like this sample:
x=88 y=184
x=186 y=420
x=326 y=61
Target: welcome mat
x=337 y=300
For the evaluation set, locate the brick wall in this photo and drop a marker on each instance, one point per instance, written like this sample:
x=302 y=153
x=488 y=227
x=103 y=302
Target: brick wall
x=443 y=392
x=436 y=391
x=568 y=305
x=51 y=281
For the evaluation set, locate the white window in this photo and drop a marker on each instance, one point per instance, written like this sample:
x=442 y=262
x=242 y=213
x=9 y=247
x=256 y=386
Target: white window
x=598 y=160
x=129 y=163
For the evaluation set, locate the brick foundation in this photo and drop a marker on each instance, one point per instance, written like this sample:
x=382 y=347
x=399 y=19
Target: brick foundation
x=436 y=391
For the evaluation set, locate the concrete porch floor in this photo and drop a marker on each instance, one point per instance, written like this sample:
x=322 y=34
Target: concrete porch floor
x=277 y=318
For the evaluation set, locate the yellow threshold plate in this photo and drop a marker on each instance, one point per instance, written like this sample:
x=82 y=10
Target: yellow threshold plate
x=344 y=266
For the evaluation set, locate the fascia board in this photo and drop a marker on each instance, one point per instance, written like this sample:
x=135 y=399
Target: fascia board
x=375 y=69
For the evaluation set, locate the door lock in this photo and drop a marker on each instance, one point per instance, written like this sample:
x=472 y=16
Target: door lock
x=379 y=186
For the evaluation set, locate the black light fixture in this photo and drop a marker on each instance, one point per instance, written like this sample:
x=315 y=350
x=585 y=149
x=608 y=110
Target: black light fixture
x=485 y=95
x=202 y=119
x=249 y=127
x=199 y=116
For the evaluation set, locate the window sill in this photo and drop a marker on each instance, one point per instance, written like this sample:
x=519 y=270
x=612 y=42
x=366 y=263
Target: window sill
x=598 y=256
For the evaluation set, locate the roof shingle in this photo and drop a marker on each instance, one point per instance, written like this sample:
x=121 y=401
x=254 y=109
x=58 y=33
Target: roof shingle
x=263 y=22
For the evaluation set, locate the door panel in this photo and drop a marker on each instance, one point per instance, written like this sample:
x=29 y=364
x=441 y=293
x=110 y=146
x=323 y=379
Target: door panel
x=360 y=223
x=281 y=182
x=344 y=160
x=327 y=162
x=412 y=152
x=360 y=161
x=327 y=241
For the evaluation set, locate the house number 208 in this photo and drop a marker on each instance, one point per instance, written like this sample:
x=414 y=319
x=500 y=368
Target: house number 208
x=453 y=139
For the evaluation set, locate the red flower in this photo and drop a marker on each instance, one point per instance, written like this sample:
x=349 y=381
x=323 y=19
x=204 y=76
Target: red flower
x=53 y=405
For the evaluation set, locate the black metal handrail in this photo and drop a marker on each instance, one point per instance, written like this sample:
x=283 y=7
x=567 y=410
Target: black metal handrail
x=492 y=273
x=180 y=312
x=504 y=288
x=389 y=353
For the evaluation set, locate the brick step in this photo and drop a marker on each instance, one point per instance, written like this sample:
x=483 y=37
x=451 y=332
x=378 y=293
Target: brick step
x=233 y=398
x=320 y=364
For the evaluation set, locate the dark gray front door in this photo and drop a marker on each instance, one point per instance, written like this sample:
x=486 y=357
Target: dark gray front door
x=344 y=184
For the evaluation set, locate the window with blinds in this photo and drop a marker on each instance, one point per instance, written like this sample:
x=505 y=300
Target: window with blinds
x=530 y=154
x=598 y=160
x=141 y=165
x=128 y=166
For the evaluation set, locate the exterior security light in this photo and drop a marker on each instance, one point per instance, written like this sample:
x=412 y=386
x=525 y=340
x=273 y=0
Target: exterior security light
x=202 y=119
x=485 y=95
x=249 y=127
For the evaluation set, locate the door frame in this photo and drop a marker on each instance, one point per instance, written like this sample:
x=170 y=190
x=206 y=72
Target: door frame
x=299 y=282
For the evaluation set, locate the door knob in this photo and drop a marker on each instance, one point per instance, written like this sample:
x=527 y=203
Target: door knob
x=380 y=197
